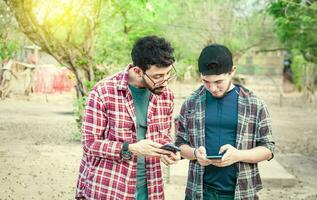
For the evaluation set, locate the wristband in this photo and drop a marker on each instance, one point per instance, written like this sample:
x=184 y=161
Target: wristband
x=195 y=153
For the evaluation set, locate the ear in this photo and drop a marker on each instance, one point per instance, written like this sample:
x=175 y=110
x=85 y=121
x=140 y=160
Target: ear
x=138 y=71
x=233 y=70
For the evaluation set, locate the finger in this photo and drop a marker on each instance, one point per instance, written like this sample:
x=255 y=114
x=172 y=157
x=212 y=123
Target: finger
x=204 y=159
x=163 y=160
x=162 y=151
x=155 y=144
x=166 y=160
x=201 y=150
x=223 y=164
x=225 y=157
x=155 y=154
x=204 y=163
x=174 y=156
x=224 y=148
x=169 y=160
x=214 y=161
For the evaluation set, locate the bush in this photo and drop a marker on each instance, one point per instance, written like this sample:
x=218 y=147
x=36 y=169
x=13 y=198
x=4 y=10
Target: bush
x=8 y=49
x=297 y=66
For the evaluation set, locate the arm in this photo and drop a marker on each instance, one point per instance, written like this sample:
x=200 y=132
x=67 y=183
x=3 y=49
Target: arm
x=187 y=152
x=94 y=124
x=264 y=137
x=170 y=158
x=233 y=155
x=264 y=143
x=182 y=139
x=254 y=155
x=148 y=147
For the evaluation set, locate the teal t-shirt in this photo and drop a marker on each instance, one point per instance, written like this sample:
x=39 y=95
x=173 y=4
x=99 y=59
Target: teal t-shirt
x=221 y=128
x=141 y=98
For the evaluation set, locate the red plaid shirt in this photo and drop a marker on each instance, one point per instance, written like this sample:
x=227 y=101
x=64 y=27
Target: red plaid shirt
x=110 y=120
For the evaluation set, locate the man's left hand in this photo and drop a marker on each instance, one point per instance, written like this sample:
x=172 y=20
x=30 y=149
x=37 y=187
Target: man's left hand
x=170 y=159
x=231 y=155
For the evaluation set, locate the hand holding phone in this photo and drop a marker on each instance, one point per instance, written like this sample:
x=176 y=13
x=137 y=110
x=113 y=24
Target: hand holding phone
x=171 y=147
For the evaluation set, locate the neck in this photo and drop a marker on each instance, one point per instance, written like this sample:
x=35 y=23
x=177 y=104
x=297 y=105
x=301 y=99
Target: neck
x=231 y=86
x=135 y=79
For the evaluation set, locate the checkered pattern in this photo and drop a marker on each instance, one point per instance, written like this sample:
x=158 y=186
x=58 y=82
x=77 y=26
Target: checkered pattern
x=110 y=120
x=254 y=129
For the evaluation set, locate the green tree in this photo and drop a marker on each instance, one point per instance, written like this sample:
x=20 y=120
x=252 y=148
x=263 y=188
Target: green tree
x=63 y=29
x=295 y=22
x=8 y=47
x=241 y=25
x=122 y=22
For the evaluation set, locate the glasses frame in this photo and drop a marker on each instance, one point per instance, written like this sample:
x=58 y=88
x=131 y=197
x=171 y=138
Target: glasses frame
x=164 y=80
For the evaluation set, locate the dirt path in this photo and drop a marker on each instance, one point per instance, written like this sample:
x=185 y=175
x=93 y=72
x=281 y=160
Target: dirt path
x=39 y=158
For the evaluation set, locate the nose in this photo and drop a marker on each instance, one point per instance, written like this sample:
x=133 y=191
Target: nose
x=164 y=84
x=212 y=87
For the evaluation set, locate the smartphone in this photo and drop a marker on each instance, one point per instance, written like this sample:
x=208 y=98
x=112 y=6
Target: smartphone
x=214 y=157
x=171 y=147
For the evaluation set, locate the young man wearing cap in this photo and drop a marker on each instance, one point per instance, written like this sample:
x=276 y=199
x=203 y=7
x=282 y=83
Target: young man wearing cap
x=225 y=120
x=127 y=119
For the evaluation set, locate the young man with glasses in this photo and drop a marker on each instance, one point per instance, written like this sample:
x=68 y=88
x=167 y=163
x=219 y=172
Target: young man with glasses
x=224 y=130
x=128 y=118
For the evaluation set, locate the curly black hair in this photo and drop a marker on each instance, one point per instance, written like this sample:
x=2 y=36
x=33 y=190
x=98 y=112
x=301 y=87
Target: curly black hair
x=152 y=50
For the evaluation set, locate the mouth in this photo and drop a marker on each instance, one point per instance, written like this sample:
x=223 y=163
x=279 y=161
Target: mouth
x=158 y=90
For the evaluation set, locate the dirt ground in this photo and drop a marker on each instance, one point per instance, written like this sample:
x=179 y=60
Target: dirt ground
x=39 y=158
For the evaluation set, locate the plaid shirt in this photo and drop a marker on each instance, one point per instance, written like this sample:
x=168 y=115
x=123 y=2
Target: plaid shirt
x=110 y=120
x=254 y=129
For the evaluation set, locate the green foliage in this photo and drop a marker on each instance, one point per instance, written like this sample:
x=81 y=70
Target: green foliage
x=8 y=49
x=187 y=65
x=297 y=67
x=295 y=23
x=122 y=23
x=79 y=108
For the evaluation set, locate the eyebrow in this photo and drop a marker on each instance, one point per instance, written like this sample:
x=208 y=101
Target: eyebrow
x=211 y=81
x=163 y=74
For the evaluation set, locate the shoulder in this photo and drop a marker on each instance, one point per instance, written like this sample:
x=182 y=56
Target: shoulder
x=190 y=101
x=248 y=97
x=109 y=84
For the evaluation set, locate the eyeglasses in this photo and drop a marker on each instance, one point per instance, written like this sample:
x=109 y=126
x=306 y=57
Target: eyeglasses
x=162 y=79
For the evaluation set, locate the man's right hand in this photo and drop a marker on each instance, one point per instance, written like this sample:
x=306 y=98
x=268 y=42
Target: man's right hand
x=201 y=157
x=147 y=148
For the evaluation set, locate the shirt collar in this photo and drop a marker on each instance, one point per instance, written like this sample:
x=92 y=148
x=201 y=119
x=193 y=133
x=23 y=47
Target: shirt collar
x=123 y=82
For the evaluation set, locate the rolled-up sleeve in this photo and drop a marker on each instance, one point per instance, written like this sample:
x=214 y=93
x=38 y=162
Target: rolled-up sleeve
x=264 y=135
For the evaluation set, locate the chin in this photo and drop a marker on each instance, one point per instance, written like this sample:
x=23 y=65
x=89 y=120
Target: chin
x=218 y=95
x=158 y=91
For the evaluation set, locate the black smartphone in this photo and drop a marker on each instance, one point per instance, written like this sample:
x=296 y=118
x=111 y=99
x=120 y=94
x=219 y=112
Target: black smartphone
x=171 y=147
x=214 y=157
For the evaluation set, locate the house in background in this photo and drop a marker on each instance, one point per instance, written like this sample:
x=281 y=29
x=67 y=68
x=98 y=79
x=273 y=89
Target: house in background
x=264 y=63
x=36 y=72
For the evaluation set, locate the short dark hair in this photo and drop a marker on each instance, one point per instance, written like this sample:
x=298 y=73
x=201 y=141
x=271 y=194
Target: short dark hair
x=215 y=59
x=152 y=50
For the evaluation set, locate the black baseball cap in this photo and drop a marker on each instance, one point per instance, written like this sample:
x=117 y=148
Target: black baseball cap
x=215 y=59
